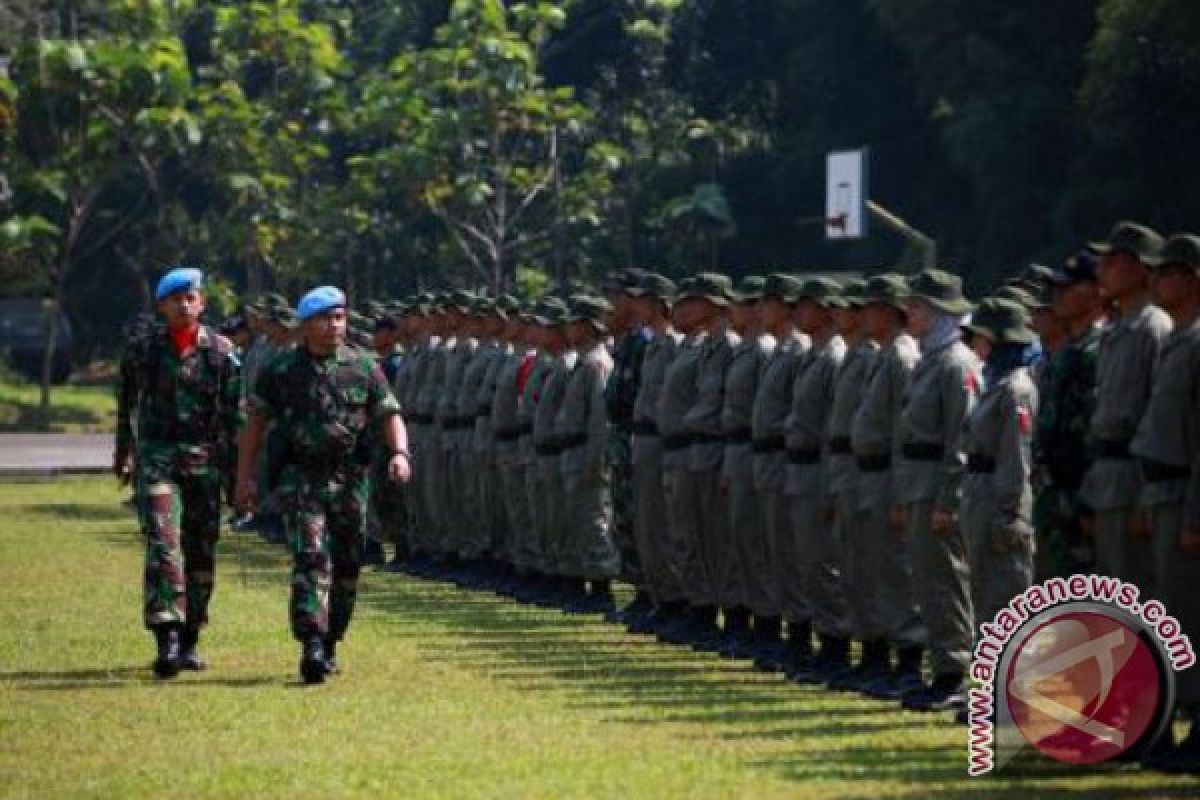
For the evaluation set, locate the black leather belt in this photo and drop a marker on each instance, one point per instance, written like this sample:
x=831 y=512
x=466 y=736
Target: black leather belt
x=458 y=423
x=677 y=442
x=547 y=449
x=807 y=455
x=1113 y=449
x=980 y=464
x=1158 y=472
x=708 y=438
x=875 y=463
x=840 y=446
x=421 y=419
x=510 y=435
x=769 y=444
x=645 y=427
x=739 y=436
x=484 y=411
x=922 y=451
x=525 y=429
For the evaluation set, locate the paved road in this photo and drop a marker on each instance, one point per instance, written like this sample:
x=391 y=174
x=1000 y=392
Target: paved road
x=55 y=453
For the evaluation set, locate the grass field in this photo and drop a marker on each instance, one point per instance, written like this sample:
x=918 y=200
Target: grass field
x=73 y=409
x=443 y=694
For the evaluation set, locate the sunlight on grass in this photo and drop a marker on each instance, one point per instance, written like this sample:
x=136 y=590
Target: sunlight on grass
x=443 y=694
x=73 y=409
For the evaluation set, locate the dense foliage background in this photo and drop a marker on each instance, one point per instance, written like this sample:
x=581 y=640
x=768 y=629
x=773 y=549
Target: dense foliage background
x=394 y=145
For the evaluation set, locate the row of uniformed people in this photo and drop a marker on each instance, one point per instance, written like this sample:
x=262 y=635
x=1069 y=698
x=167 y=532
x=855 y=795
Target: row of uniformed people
x=790 y=466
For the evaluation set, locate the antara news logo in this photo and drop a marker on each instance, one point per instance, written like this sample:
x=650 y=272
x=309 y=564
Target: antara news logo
x=1078 y=669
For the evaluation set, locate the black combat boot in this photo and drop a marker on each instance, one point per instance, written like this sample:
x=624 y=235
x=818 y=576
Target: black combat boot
x=798 y=655
x=735 y=643
x=873 y=665
x=708 y=637
x=189 y=658
x=831 y=659
x=167 y=660
x=331 y=655
x=946 y=693
x=904 y=678
x=769 y=646
x=313 y=666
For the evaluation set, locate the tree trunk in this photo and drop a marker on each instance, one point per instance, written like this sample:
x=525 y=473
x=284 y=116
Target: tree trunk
x=53 y=309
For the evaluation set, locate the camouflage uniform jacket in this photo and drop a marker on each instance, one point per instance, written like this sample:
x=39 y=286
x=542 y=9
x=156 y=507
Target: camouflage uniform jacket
x=324 y=407
x=188 y=410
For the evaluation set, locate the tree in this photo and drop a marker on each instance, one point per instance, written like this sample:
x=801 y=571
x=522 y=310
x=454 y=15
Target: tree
x=89 y=114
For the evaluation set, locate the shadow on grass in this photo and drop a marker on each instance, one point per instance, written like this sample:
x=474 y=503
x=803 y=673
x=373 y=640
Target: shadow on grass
x=21 y=417
x=124 y=677
x=633 y=680
x=83 y=511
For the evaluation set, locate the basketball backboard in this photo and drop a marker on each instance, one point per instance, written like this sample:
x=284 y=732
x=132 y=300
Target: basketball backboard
x=846 y=194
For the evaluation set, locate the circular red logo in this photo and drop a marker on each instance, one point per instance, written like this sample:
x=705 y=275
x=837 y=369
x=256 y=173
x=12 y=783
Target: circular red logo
x=1084 y=687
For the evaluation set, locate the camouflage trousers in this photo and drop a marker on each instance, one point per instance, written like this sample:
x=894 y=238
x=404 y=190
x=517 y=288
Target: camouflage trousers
x=326 y=522
x=1062 y=548
x=389 y=509
x=179 y=514
x=623 y=509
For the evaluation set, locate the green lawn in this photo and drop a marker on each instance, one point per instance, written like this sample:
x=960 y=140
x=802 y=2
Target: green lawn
x=73 y=409
x=443 y=694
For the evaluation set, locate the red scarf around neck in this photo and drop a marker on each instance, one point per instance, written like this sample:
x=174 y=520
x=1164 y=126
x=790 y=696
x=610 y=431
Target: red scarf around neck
x=184 y=339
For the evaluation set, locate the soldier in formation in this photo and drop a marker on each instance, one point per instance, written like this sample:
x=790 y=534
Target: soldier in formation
x=839 y=482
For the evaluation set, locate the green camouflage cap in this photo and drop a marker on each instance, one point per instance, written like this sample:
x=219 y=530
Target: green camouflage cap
x=506 y=306
x=782 y=286
x=712 y=286
x=550 y=312
x=822 y=291
x=1182 y=248
x=941 y=289
x=483 y=306
x=623 y=280
x=851 y=295
x=590 y=308
x=889 y=289
x=1033 y=278
x=750 y=290
x=283 y=316
x=1002 y=320
x=653 y=284
x=1134 y=238
x=460 y=299
x=1018 y=295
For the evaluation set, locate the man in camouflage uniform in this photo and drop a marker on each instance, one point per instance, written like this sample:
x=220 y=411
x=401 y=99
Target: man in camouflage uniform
x=1167 y=445
x=388 y=513
x=620 y=395
x=851 y=529
x=888 y=613
x=1062 y=442
x=745 y=593
x=772 y=404
x=680 y=484
x=549 y=491
x=325 y=399
x=713 y=571
x=581 y=428
x=505 y=428
x=1125 y=369
x=811 y=586
x=456 y=494
x=181 y=385
x=652 y=298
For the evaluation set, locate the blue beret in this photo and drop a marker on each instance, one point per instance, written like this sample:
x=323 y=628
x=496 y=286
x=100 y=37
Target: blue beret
x=320 y=300
x=180 y=279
